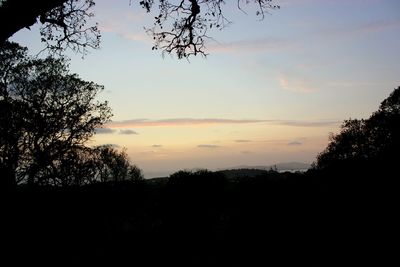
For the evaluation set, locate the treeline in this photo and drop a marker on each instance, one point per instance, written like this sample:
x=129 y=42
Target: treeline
x=65 y=202
x=201 y=218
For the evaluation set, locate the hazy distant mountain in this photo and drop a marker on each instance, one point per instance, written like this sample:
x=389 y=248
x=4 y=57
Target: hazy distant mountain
x=160 y=174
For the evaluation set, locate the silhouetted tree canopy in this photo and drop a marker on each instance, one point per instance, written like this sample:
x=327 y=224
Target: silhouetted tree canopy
x=181 y=27
x=373 y=140
x=114 y=165
x=47 y=116
x=64 y=23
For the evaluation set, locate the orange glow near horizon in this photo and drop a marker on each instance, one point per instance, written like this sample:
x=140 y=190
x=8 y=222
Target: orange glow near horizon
x=169 y=147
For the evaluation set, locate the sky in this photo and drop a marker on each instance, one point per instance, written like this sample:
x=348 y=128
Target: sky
x=270 y=91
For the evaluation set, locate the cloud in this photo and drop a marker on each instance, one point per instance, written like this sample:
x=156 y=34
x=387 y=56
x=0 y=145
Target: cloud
x=246 y=152
x=250 y=46
x=322 y=123
x=355 y=31
x=295 y=143
x=121 y=26
x=137 y=37
x=275 y=141
x=127 y=131
x=208 y=146
x=353 y=83
x=359 y=31
x=157 y=146
x=295 y=82
x=189 y=122
x=104 y=131
x=178 y=122
x=242 y=141
x=280 y=44
x=378 y=26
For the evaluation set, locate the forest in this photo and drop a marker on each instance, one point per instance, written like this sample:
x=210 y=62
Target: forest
x=65 y=202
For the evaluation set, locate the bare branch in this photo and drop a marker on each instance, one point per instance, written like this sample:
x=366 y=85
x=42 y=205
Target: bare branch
x=65 y=27
x=188 y=21
x=262 y=6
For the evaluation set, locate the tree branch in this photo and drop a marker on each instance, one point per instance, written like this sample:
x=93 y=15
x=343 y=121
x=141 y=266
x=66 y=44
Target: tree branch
x=18 y=14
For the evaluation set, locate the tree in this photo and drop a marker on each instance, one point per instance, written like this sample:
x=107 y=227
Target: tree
x=188 y=22
x=383 y=127
x=63 y=22
x=180 y=27
x=350 y=144
x=47 y=115
x=115 y=166
x=375 y=140
x=78 y=166
x=11 y=124
x=84 y=165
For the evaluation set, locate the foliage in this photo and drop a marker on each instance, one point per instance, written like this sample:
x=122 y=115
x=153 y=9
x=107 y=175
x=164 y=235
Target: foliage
x=47 y=116
x=115 y=166
x=84 y=165
x=374 y=140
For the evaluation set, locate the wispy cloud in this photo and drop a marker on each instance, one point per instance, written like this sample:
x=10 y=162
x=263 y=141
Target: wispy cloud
x=190 y=122
x=295 y=82
x=179 y=122
x=104 y=131
x=156 y=146
x=378 y=26
x=322 y=123
x=250 y=46
x=355 y=31
x=122 y=26
x=127 y=131
x=138 y=37
x=242 y=141
x=295 y=143
x=208 y=146
x=354 y=83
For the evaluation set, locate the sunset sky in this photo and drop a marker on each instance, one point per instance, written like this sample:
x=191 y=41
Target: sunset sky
x=270 y=91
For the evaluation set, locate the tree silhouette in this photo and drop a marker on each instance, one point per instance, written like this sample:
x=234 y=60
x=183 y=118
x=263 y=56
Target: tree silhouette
x=188 y=22
x=63 y=23
x=180 y=27
x=78 y=166
x=374 y=140
x=115 y=166
x=47 y=115
x=84 y=165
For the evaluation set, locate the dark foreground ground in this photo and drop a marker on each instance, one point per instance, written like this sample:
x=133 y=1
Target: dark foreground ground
x=204 y=219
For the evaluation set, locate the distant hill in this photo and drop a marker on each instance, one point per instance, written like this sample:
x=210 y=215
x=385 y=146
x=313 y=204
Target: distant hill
x=244 y=170
x=286 y=166
x=159 y=174
x=254 y=171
